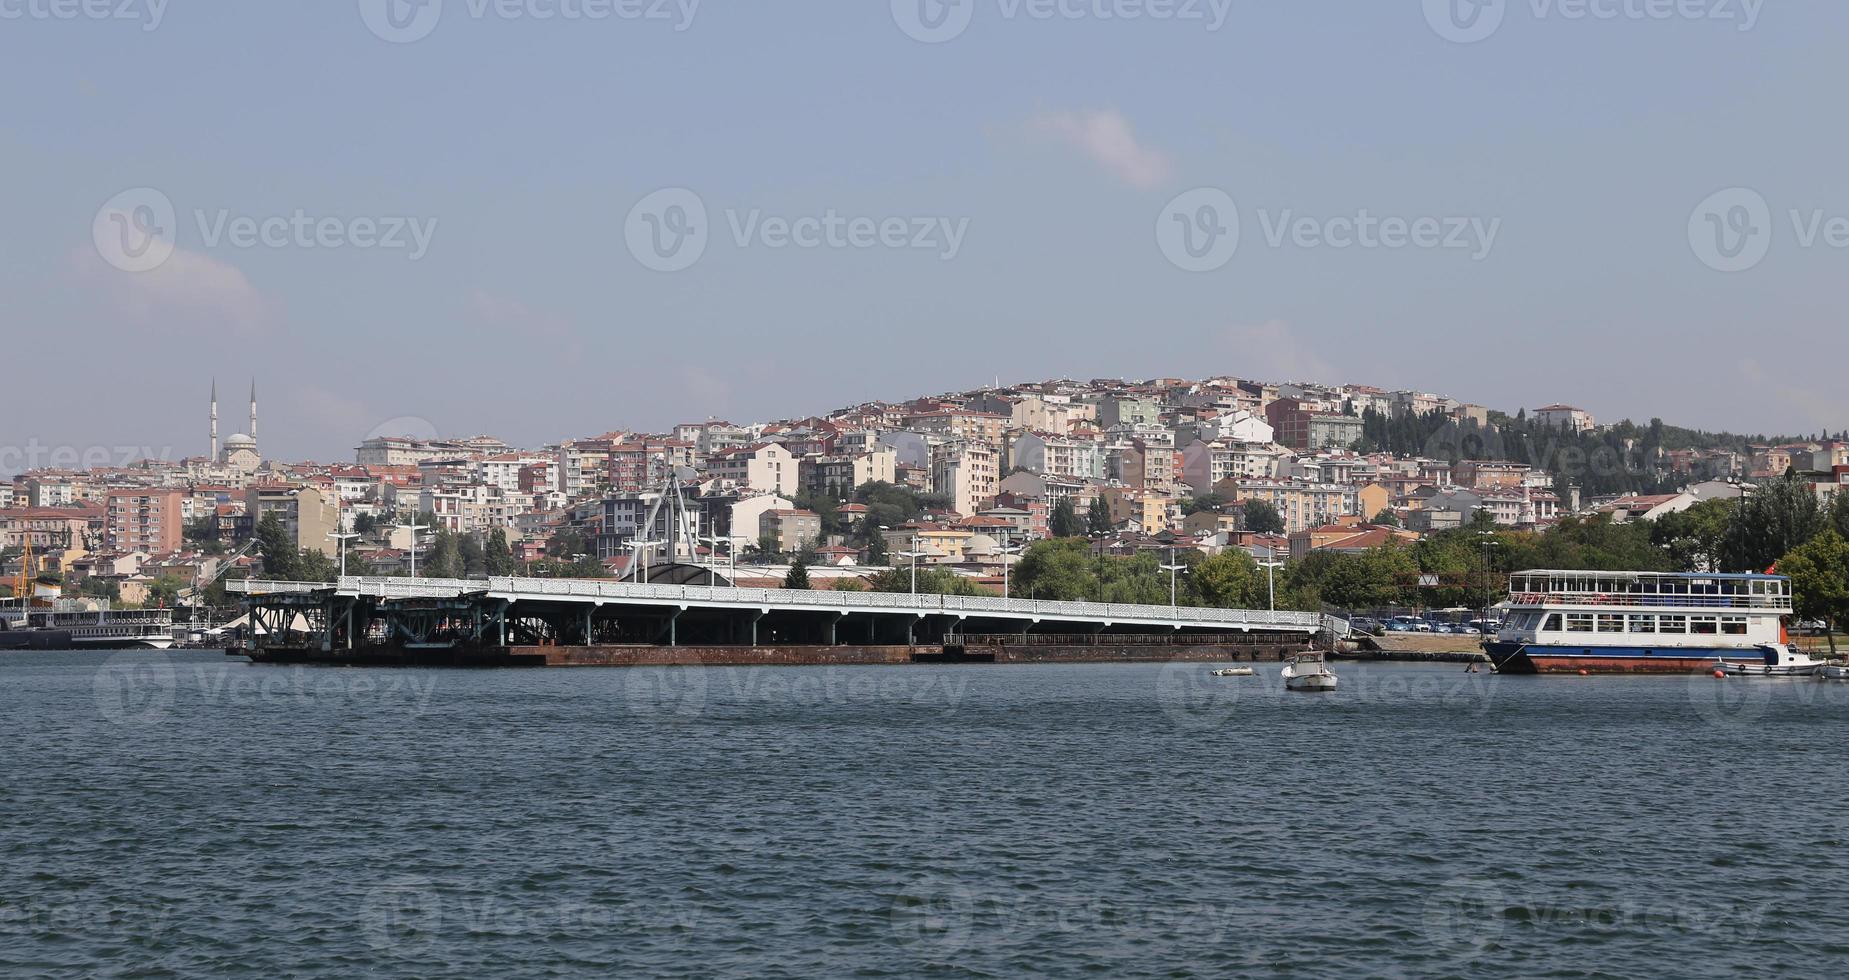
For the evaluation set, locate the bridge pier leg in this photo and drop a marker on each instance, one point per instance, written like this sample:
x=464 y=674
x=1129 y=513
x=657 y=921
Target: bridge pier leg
x=588 y=613
x=674 y=634
x=831 y=627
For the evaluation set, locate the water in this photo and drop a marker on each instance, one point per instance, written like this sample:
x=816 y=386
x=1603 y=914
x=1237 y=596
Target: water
x=179 y=816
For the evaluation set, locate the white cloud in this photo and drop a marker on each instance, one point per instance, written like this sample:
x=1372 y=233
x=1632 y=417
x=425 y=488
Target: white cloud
x=1273 y=352
x=189 y=292
x=1106 y=136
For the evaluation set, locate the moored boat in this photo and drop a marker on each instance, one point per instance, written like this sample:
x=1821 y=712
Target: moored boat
x=1234 y=672
x=1781 y=660
x=68 y=626
x=1638 y=622
x=1308 y=672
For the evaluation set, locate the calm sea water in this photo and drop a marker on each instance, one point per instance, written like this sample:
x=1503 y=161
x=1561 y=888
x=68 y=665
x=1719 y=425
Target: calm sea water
x=177 y=815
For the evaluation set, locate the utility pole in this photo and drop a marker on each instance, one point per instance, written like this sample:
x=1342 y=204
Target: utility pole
x=414 y=527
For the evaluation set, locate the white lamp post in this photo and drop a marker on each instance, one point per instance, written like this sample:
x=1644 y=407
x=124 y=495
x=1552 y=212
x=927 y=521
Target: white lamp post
x=1271 y=581
x=1173 y=569
x=343 y=539
x=638 y=546
x=914 y=556
x=414 y=527
x=731 y=551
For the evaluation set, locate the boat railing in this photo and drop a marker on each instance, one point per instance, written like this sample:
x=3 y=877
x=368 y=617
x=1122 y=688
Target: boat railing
x=1768 y=603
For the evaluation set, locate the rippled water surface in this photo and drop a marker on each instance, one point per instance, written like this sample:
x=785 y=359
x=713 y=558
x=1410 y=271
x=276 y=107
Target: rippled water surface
x=180 y=816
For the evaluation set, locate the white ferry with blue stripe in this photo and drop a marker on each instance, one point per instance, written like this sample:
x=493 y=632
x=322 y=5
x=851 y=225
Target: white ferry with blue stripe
x=1639 y=622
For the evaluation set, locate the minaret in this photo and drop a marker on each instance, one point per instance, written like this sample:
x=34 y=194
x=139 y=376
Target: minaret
x=253 y=410
x=214 y=420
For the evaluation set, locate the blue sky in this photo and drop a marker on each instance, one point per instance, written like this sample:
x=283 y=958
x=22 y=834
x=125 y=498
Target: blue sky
x=1054 y=144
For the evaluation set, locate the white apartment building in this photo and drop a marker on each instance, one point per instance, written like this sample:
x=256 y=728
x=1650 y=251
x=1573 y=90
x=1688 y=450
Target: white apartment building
x=968 y=473
x=765 y=466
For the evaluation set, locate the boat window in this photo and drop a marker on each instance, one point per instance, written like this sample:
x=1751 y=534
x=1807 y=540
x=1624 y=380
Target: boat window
x=1704 y=625
x=1579 y=623
x=1611 y=624
x=1553 y=623
x=1733 y=625
x=1643 y=624
x=1672 y=624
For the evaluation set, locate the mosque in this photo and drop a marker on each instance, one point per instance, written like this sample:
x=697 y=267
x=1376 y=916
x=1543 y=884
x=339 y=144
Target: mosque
x=239 y=451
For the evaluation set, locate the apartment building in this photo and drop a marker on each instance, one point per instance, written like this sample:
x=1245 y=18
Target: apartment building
x=1057 y=455
x=1301 y=505
x=765 y=466
x=145 y=520
x=968 y=473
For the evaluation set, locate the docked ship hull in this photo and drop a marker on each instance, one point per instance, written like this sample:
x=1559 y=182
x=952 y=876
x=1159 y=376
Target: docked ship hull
x=36 y=640
x=1516 y=658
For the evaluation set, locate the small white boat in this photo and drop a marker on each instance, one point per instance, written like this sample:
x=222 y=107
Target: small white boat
x=1234 y=672
x=1781 y=660
x=1833 y=672
x=1308 y=672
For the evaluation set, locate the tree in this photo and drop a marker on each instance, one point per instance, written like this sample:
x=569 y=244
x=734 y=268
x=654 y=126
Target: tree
x=164 y=592
x=1770 y=523
x=798 y=578
x=280 y=555
x=474 y=560
x=314 y=566
x=364 y=523
x=1262 y=518
x=931 y=581
x=497 y=556
x=1228 y=580
x=445 y=560
x=1206 y=501
x=1061 y=569
x=1819 y=572
x=1098 y=518
x=768 y=545
x=1386 y=518
x=868 y=536
x=1064 y=522
x=1693 y=537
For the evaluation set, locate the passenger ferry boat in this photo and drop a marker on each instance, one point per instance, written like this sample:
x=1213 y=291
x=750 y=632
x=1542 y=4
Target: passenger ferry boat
x=69 y=626
x=1639 y=622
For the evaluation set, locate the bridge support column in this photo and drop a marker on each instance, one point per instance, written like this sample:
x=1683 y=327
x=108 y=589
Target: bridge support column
x=831 y=627
x=589 y=611
x=674 y=628
x=754 y=625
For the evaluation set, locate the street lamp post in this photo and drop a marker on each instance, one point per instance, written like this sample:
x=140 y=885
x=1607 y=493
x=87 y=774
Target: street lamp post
x=1271 y=580
x=1005 y=551
x=731 y=551
x=1173 y=569
x=1489 y=542
x=914 y=556
x=343 y=539
x=414 y=527
x=637 y=545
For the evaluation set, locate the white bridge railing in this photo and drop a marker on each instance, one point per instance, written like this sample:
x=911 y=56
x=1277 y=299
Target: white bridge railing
x=821 y=601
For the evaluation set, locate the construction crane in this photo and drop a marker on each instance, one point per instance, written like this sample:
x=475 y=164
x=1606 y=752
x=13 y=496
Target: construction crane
x=191 y=595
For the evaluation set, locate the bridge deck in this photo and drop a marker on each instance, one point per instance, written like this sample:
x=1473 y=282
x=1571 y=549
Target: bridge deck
x=601 y=593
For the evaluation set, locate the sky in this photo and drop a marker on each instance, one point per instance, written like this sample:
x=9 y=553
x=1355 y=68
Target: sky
x=543 y=219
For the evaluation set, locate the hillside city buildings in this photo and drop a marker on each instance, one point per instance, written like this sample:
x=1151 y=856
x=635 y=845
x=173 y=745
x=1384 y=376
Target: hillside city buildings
x=1169 y=463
